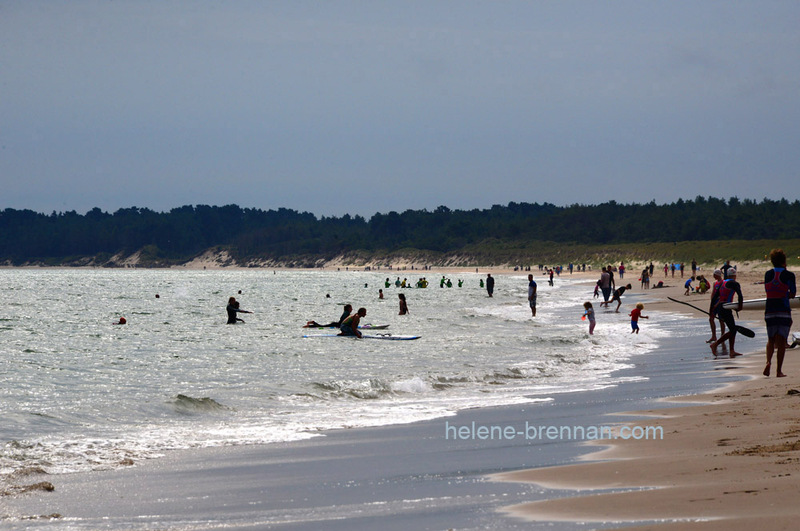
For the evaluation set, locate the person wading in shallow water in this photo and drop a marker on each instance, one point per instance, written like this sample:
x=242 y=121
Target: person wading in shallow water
x=233 y=309
x=403 y=304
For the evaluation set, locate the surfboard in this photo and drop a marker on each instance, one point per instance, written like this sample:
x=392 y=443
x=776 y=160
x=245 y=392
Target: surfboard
x=369 y=336
x=758 y=304
x=365 y=327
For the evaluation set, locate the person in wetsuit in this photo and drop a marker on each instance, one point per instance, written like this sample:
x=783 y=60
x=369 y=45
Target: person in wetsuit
x=233 y=309
x=335 y=324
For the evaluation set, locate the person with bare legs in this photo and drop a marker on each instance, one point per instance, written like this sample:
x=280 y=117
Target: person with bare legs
x=780 y=286
x=727 y=290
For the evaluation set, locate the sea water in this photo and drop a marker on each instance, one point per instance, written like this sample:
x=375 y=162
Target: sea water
x=81 y=393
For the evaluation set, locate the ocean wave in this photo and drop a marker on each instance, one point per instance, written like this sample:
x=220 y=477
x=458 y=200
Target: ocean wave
x=188 y=405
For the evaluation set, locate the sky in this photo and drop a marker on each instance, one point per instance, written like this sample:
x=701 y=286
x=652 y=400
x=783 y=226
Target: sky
x=357 y=107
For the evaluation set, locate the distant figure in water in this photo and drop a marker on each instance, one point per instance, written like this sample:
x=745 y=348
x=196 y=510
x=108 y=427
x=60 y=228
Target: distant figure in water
x=489 y=284
x=403 y=304
x=233 y=309
x=380 y=293
x=121 y=321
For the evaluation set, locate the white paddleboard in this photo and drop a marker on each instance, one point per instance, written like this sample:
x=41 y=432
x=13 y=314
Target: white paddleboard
x=758 y=304
x=365 y=327
x=369 y=336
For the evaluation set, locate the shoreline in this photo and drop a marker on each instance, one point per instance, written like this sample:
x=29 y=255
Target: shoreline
x=731 y=457
x=220 y=469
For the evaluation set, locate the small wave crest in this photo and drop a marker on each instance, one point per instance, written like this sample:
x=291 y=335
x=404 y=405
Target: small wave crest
x=188 y=405
x=372 y=389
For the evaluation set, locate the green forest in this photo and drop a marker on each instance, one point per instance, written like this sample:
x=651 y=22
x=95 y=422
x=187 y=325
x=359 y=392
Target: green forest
x=706 y=229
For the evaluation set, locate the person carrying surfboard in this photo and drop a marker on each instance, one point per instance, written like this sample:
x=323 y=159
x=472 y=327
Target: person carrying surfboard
x=780 y=286
x=727 y=290
x=350 y=325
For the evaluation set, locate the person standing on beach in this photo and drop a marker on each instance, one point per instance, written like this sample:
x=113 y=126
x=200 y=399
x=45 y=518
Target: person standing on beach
x=605 y=286
x=727 y=265
x=727 y=290
x=780 y=286
x=610 y=271
x=635 y=314
x=532 y=295
x=489 y=284
x=712 y=316
x=403 y=304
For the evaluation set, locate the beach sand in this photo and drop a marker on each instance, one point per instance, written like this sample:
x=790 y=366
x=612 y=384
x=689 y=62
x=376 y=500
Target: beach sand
x=729 y=462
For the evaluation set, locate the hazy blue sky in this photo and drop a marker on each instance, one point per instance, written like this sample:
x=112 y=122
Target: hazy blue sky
x=340 y=107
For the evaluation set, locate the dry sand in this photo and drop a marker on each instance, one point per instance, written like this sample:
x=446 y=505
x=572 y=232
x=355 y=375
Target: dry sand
x=731 y=463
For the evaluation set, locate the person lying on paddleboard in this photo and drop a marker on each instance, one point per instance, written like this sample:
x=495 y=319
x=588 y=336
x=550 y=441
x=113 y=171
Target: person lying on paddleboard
x=233 y=309
x=350 y=325
x=336 y=324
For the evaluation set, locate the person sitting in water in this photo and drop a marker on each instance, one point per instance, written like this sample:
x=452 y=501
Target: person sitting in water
x=350 y=325
x=336 y=324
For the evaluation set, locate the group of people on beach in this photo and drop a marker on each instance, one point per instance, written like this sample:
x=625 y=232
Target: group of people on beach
x=780 y=286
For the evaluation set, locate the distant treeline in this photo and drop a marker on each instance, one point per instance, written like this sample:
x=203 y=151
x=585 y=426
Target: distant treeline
x=181 y=233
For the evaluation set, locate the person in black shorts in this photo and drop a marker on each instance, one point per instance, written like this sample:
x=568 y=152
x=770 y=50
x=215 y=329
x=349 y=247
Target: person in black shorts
x=727 y=290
